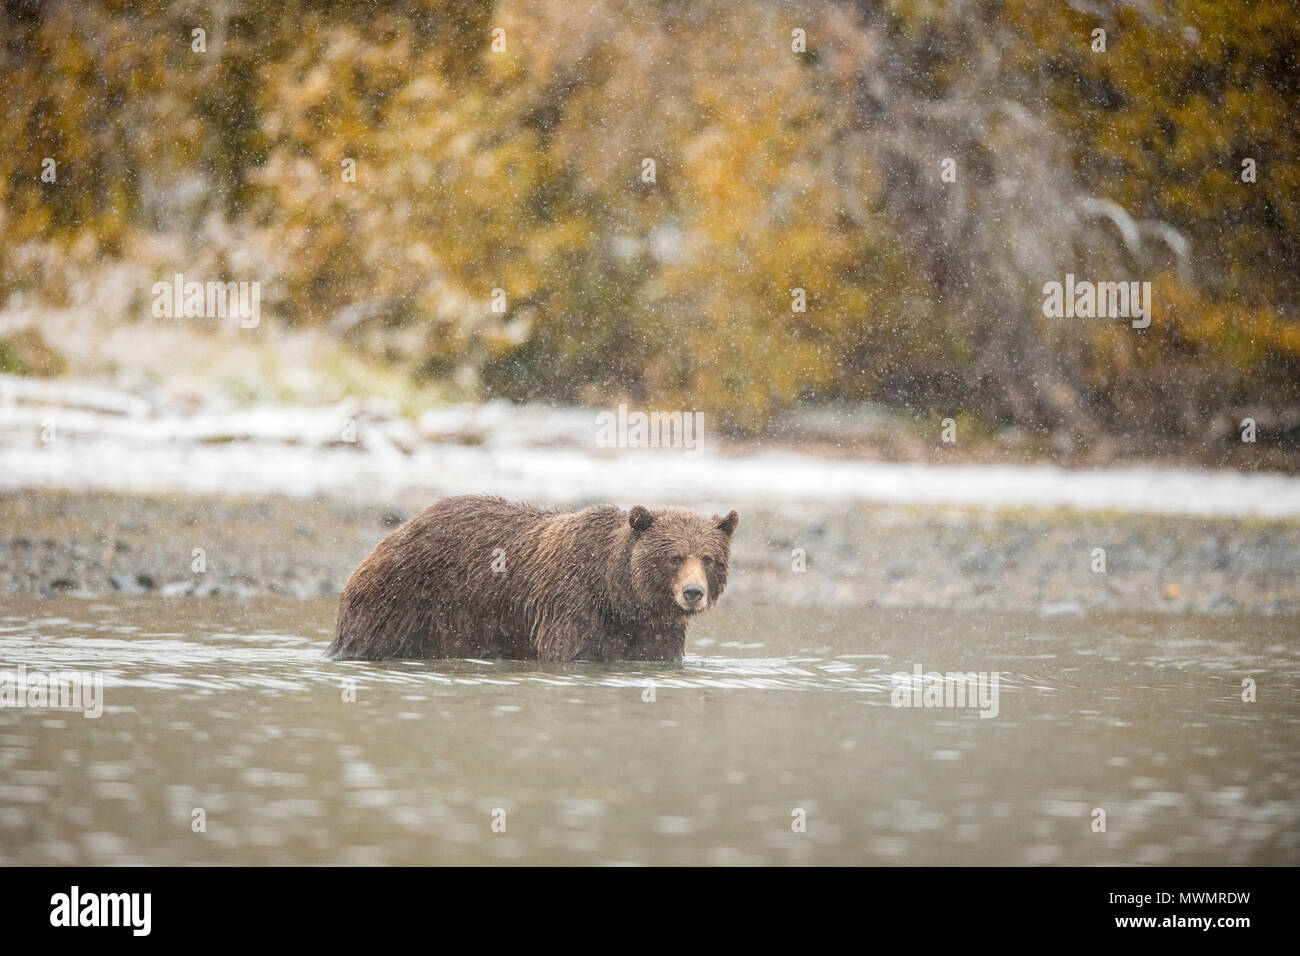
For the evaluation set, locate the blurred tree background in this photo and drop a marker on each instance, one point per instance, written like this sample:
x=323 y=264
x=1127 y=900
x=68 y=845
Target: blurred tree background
x=775 y=169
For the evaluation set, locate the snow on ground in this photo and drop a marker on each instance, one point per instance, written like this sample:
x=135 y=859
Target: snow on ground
x=102 y=440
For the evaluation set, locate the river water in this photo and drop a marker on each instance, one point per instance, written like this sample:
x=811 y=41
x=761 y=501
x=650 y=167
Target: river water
x=226 y=738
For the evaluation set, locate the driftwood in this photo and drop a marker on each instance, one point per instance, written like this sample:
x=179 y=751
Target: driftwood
x=16 y=389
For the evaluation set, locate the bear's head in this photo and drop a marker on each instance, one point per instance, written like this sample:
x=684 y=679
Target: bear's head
x=679 y=560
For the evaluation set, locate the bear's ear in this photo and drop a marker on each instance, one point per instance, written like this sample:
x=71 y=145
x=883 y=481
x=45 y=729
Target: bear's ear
x=640 y=518
x=728 y=524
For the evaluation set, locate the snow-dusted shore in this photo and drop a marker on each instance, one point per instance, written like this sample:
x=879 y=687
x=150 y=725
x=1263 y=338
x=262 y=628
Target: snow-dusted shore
x=54 y=436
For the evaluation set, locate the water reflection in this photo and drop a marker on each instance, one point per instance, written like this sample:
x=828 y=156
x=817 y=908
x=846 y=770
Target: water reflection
x=224 y=712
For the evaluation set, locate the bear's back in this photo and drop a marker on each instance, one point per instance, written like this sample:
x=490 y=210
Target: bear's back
x=438 y=586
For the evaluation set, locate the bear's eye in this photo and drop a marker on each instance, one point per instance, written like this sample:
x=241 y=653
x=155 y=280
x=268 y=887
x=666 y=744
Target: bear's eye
x=708 y=559
x=677 y=558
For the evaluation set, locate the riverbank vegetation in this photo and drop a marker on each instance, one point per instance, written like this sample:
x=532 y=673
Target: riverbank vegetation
x=460 y=192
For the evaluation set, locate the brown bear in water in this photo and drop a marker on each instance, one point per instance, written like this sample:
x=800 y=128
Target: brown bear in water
x=481 y=577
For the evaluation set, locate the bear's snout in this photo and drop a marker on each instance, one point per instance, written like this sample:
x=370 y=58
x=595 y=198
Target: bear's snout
x=692 y=586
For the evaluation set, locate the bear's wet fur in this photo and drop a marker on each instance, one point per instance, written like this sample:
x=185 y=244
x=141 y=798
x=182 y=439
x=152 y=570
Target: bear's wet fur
x=482 y=577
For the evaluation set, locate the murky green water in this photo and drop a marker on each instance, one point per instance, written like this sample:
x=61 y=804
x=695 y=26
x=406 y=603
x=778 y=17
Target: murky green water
x=227 y=707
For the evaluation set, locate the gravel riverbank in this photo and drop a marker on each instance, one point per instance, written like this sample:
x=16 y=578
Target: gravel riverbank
x=90 y=544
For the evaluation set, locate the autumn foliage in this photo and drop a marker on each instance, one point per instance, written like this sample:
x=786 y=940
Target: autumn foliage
x=775 y=169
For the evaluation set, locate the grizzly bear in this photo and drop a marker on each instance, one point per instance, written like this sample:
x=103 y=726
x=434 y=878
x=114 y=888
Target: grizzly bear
x=482 y=577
